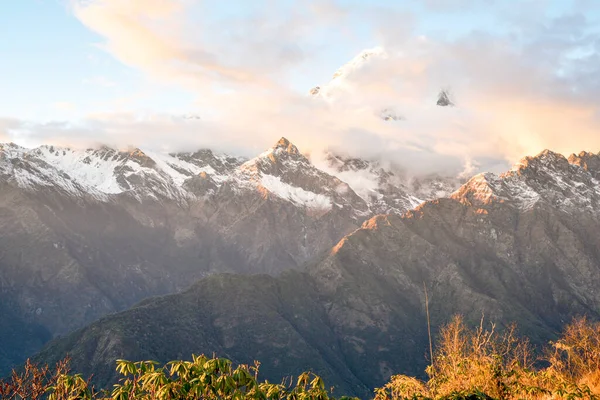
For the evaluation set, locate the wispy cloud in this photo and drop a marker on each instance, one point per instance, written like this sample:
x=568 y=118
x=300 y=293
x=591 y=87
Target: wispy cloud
x=531 y=85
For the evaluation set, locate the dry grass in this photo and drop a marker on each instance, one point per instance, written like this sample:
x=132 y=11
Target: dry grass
x=483 y=363
x=575 y=358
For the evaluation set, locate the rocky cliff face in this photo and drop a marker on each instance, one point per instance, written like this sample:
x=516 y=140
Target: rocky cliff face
x=91 y=232
x=520 y=247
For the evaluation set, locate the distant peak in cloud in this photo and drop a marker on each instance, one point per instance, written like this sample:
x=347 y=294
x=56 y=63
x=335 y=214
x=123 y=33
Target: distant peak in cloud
x=389 y=114
x=444 y=99
x=359 y=61
x=341 y=77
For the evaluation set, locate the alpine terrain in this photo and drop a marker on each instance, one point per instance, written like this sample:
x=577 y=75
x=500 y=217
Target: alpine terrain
x=91 y=232
x=519 y=247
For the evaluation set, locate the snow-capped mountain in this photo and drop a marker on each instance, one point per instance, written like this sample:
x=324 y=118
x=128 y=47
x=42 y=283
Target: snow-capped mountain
x=348 y=83
x=339 y=79
x=106 y=174
x=548 y=179
x=91 y=232
x=284 y=172
x=388 y=190
x=345 y=84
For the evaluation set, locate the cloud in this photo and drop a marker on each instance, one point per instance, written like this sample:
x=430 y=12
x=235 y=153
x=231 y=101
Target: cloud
x=510 y=103
x=170 y=39
x=119 y=130
x=531 y=85
x=146 y=34
x=7 y=125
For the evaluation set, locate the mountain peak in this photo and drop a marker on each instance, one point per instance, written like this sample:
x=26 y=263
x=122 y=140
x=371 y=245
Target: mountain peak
x=286 y=145
x=588 y=161
x=549 y=154
x=444 y=99
x=357 y=62
x=548 y=178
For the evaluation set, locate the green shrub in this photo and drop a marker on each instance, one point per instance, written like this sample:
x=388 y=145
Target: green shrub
x=201 y=378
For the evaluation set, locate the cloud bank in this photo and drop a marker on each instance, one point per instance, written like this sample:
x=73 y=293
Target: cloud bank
x=531 y=83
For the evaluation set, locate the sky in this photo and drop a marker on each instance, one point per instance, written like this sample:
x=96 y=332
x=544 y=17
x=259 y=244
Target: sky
x=234 y=75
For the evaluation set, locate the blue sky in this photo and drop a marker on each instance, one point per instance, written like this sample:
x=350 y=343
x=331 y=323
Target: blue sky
x=96 y=68
x=53 y=68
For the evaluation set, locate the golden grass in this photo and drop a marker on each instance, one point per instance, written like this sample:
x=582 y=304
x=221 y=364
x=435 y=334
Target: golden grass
x=482 y=362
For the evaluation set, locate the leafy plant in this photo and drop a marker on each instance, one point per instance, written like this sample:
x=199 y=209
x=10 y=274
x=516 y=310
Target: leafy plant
x=200 y=378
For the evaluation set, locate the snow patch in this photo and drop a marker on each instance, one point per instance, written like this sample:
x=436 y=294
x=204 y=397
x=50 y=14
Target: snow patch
x=85 y=168
x=294 y=194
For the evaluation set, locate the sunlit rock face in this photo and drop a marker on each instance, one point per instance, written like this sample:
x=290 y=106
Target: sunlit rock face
x=546 y=179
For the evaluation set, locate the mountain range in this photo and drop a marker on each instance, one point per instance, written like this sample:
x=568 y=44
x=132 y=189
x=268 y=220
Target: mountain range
x=295 y=268
x=88 y=232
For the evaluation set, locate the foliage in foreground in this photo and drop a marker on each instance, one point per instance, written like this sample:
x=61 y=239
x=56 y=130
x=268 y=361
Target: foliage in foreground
x=201 y=378
x=482 y=364
x=467 y=364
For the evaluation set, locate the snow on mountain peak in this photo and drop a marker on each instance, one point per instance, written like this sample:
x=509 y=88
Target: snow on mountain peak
x=101 y=171
x=284 y=172
x=387 y=189
x=286 y=145
x=341 y=76
x=360 y=60
x=548 y=177
x=280 y=158
x=543 y=163
x=352 y=185
x=358 y=186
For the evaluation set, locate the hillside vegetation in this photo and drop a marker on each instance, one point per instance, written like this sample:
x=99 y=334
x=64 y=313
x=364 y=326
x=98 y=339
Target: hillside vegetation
x=467 y=363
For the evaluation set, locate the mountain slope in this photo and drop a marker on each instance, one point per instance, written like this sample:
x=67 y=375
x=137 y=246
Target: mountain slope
x=521 y=247
x=91 y=232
